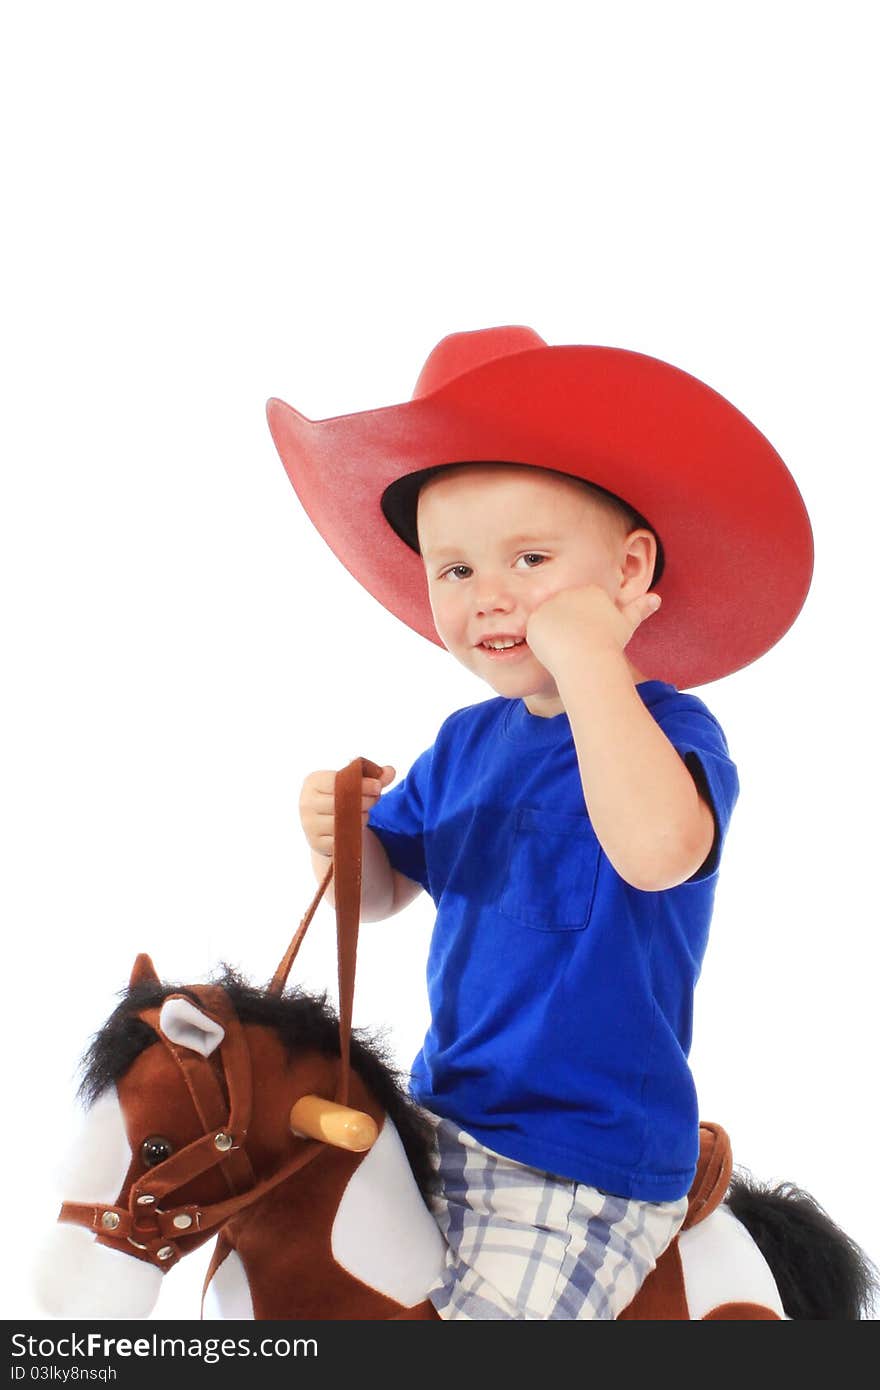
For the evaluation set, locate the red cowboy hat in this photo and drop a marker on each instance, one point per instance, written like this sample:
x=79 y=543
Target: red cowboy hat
x=735 y=535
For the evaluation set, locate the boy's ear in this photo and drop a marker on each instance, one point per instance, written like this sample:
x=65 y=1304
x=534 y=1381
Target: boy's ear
x=639 y=561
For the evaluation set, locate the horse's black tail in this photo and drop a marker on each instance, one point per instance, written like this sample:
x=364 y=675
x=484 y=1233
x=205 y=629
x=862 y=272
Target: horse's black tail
x=821 y=1273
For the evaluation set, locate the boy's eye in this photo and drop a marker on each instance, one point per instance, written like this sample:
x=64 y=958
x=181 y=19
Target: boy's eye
x=453 y=569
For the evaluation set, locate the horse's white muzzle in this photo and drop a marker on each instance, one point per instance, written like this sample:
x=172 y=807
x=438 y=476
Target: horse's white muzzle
x=75 y=1277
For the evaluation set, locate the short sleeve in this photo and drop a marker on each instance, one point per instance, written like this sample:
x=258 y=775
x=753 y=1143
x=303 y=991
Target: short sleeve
x=698 y=737
x=398 y=819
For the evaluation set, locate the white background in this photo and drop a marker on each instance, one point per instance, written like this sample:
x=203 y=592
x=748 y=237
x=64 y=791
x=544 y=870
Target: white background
x=209 y=204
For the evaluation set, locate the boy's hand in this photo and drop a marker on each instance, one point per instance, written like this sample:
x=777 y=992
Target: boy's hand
x=583 y=621
x=318 y=800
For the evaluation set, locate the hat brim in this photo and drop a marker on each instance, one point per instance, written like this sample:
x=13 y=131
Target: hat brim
x=736 y=535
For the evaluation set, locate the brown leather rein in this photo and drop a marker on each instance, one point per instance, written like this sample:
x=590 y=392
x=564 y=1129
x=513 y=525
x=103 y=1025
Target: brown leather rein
x=152 y=1230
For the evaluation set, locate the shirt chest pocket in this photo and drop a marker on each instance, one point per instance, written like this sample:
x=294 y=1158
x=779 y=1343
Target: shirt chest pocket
x=551 y=874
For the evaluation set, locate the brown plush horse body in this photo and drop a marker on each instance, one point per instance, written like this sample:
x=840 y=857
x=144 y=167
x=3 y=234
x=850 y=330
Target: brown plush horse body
x=194 y=1087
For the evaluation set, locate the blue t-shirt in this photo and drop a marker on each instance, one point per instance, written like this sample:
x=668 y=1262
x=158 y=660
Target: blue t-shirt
x=561 y=998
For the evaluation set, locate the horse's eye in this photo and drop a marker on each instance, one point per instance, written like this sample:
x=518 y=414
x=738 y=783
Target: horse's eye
x=155 y=1150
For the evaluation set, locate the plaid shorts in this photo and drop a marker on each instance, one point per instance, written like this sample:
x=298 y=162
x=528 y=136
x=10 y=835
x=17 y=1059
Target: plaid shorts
x=526 y=1244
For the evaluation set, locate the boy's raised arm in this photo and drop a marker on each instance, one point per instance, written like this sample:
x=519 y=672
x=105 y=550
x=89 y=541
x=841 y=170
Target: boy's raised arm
x=642 y=800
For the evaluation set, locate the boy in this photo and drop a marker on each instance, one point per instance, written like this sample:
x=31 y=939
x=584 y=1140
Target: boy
x=569 y=830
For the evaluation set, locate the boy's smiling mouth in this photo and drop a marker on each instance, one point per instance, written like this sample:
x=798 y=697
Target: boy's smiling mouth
x=492 y=637
x=501 y=644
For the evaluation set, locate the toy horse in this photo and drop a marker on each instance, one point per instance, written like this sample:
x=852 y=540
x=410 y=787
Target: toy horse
x=212 y=1117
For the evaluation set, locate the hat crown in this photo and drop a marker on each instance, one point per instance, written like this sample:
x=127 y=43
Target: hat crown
x=462 y=352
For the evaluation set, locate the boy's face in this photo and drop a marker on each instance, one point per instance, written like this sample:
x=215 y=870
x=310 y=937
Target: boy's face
x=496 y=542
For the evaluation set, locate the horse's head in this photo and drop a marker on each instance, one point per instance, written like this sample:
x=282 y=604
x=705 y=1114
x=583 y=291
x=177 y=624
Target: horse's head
x=155 y=1092
x=176 y=1143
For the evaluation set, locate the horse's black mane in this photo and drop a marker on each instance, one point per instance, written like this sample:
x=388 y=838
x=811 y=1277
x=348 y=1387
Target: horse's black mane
x=301 y=1021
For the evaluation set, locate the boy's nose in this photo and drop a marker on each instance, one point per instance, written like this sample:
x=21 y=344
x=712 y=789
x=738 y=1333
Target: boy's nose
x=491 y=592
x=493 y=600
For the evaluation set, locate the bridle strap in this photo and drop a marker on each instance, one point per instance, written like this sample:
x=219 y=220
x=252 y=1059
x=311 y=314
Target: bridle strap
x=346 y=865
x=215 y=1115
x=156 y=1232
x=279 y=979
x=348 y=850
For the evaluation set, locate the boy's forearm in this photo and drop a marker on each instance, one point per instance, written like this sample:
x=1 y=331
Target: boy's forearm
x=377 y=879
x=643 y=802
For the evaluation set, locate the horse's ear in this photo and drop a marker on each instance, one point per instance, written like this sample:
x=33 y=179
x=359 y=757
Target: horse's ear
x=143 y=972
x=184 y=1024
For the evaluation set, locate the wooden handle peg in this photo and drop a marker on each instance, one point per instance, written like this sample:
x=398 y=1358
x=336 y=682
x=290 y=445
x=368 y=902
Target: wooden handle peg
x=313 y=1117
